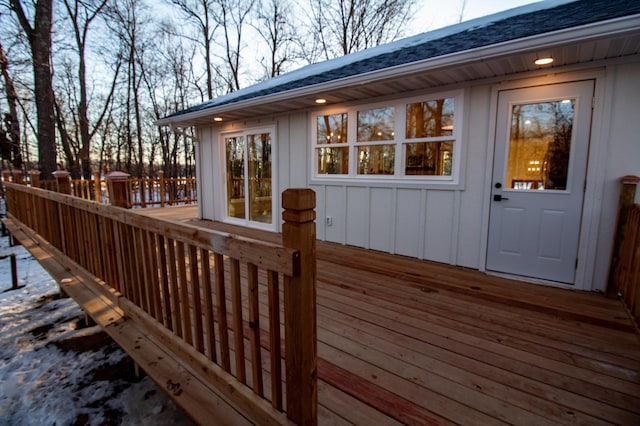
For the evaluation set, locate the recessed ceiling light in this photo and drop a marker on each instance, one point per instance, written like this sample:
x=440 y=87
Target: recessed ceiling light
x=217 y=118
x=544 y=61
x=321 y=101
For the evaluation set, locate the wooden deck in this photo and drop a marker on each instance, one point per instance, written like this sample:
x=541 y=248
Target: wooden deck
x=407 y=341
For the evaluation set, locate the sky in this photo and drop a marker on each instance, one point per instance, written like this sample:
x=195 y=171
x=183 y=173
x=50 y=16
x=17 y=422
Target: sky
x=434 y=14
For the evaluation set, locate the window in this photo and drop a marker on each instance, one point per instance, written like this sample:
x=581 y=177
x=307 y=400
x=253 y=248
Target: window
x=332 y=130
x=374 y=157
x=415 y=139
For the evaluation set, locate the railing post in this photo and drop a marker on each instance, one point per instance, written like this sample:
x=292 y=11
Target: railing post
x=97 y=187
x=34 y=176
x=17 y=177
x=299 y=232
x=118 y=189
x=6 y=175
x=626 y=201
x=62 y=181
x=162 y=187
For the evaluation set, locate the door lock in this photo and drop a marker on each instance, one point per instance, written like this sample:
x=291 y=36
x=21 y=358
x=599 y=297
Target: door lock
x=498 y=197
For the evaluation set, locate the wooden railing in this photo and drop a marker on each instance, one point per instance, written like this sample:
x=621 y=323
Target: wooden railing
x=161 y=191
x=624 y=274
x=143 y=192
x=627 y=274
x=211 y=298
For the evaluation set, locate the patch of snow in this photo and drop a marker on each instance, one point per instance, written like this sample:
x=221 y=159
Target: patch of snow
x=55 y=371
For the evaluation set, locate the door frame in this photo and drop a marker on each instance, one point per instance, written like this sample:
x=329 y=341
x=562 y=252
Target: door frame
x=222 y=178
x=594 y=185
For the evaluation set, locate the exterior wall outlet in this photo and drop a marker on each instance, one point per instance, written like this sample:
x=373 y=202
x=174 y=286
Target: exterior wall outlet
x=329 y=220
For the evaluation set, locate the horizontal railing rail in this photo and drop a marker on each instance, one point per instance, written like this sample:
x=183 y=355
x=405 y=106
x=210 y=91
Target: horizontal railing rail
x=213 y=298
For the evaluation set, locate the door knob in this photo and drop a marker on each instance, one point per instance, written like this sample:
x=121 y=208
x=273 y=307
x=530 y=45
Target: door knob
x=498 y=197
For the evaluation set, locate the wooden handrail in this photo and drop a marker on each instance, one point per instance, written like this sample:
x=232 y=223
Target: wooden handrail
x=175 y=279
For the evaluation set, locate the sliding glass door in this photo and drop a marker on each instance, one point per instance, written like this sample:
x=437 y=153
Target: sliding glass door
x=248 y=160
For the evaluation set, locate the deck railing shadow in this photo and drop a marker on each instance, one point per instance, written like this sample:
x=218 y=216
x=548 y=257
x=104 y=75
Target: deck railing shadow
x=226 y=306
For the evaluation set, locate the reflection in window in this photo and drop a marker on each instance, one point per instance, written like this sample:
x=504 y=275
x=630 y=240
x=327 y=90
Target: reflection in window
x=376 y=124
x=376 y=159
x=429 y=158
x=235 y=176
x=430 y=119
x=333 y=161
x=540 y=145
x=260 y=177
x=332 y=128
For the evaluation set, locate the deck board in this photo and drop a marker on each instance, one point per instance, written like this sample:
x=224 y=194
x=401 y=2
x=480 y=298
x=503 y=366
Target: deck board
x=402 y=340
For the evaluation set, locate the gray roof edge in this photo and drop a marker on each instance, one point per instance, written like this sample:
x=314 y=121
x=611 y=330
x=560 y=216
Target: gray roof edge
x=594 y=30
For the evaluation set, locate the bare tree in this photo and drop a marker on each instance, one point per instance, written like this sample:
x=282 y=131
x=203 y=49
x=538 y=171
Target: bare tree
x=200 y=12
x=463 y=6
x=274 y=26
x=127 y=20
x=81 y=14
x=39 y=36
x=169 y=82
x=232 y=17
x=347 y=26
x=10 y=120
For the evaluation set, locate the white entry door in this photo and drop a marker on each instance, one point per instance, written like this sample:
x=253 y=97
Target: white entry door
x=541 y=149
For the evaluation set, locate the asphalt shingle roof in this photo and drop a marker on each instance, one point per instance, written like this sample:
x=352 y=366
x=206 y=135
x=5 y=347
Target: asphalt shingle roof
x=504 y=28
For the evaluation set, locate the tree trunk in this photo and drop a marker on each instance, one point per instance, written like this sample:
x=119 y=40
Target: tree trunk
x=40 y=42
x=11 y=120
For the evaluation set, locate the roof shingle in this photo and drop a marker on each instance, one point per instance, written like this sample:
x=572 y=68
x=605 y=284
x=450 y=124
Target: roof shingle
x=499 y=28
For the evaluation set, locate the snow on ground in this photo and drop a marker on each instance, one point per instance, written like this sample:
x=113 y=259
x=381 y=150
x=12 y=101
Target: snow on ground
x=56 y=371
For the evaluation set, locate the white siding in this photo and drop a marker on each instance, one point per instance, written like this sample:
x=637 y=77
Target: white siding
x=206 y=178
x=335 y=209
x=474 y=199
x=621 y=153
x=439 y=226
x=358 y=216
x=409 y=228
x=450 y=224
x=382 y=219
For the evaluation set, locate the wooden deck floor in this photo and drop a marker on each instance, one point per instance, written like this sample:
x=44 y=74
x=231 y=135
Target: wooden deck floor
x=407 y=341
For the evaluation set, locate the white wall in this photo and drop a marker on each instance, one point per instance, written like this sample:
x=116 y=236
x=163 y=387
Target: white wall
x=443 y=225
x=206 y=177
x=291 y=151
x=620 y=139
x=450 y=225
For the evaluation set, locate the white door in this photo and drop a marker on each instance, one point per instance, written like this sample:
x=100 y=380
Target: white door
x=541 y=147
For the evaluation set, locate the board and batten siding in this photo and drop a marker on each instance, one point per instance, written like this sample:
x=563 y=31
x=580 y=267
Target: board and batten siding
x=434 y=223
x=443 y=224
x=615 y=144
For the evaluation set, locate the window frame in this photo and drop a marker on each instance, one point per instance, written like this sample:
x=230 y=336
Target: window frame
x=400 y=143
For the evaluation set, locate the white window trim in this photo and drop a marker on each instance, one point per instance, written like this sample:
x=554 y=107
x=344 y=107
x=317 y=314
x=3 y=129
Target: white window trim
x=398 y=179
